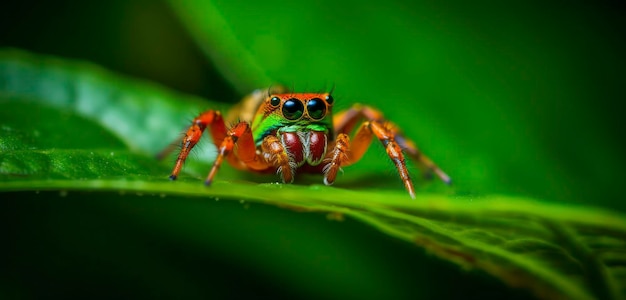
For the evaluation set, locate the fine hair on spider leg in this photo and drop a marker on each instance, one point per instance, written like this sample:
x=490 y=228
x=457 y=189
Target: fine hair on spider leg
x=173 y=147
x=426 y=166
x=390 y=171
x=169 y=149
x=176 y=144
x=326 y=168
x=414 y=165
x=292 y=165
x=194 y=154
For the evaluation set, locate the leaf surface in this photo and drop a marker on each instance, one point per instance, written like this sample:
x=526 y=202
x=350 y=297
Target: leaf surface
x=73 y=126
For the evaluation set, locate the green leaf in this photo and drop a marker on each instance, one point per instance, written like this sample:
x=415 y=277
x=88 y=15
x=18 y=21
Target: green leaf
x=73 y=126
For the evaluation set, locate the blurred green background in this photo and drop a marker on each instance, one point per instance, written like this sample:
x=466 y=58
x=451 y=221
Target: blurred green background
x=520 y=98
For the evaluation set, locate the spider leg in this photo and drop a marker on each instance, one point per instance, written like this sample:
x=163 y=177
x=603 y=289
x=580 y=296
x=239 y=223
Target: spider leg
x=347 y=120
x=272 y=154
x=344 y=123
x=275 y=154
x=208 y=118
x=362 y=140
x=337 y=157
x=387 y=133
x=394 y=151
x=423 y=161
x=242 y=156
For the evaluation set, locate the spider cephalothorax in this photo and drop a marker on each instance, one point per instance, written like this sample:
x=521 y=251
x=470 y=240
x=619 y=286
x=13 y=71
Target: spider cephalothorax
x=297 y=132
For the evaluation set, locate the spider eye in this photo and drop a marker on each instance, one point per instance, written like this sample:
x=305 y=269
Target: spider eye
x=316 y=108
x=293 y=109
x=329 y=99
x=274 y=101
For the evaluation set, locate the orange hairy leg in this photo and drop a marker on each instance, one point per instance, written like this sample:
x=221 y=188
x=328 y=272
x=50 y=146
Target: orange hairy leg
x=236 y=145
x=275 y=154
x=244 y=155
x=343 y=123
x=337 y=157
x=344 y=153
x=210 y=118
x=361 y=142
x=424 y=162
x=223 y=138
x=346 y=121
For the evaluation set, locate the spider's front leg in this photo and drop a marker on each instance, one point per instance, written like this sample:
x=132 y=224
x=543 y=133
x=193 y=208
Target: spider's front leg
x=394 y=142
x=244 y=156
x=223 y=138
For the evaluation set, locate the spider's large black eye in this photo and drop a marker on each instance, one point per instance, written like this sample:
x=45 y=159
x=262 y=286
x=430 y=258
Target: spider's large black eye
x=274 y=101
x=329 y=99
x=293 y=109
x=316 y=108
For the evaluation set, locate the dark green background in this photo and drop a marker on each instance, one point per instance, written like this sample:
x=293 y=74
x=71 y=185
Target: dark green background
x=521 y=98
